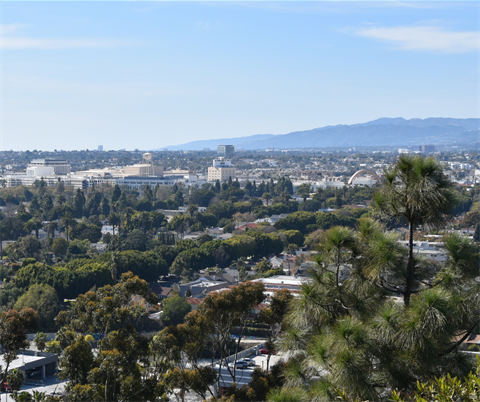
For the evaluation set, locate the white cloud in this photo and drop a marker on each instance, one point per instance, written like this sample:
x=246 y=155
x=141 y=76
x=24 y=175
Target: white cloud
x=6 y=29
x=11 y=40
x=425 y=38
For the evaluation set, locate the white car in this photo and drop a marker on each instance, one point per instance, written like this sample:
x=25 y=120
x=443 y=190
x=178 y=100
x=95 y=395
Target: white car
x=250 y=362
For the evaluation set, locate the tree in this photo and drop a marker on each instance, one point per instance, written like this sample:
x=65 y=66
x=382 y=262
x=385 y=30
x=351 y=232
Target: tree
x=60 y=247
x=304 y=191
x=33 y=225
x=476 y=235
x=16 y=378
x=40 y=341
x=87 y=231
x=105 y=206
x=294 y=237
x=347 y=330
x=445 y=388
x=300 y=221
x=76 y=361
x=223 y=311
x=137 y=240
x=114 y=220
x=44 y=300
x=117 y=192
x=208 y=328
x=263 y=266
x=51 y=227
x=267 y=197
x=344 y=319
x=179 y=223
x=117 y=372
x=35 y=396
x=14 y=326
x=68 y=221
x=273 y=316
x=442 y=389
x=416 y=190
x=53 y=347
x=190 y=261
x=174 y=310
x=28 y=246
x=78 y=246
x=147 y=265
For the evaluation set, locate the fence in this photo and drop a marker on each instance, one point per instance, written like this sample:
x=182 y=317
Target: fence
x=253 y=350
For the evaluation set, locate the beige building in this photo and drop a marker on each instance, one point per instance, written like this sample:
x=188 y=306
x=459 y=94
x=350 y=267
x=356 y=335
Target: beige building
x=221 y=170
x=143 y=169
x=59 y=166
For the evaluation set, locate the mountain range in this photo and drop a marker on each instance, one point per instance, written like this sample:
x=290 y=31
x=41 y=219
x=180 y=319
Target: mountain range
x=381 y=132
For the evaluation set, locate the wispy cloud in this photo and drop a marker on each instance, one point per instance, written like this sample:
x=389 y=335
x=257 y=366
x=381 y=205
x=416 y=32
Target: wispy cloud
x=6 y=29
x=424 y=38
x=10 y=39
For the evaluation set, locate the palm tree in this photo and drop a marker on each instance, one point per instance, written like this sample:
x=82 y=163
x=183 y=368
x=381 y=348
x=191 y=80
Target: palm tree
x=128 y=212
x=68 y=221
x=304 y=191
x=114 y=220
x=267 y=197
x=33 y=225
x=40 y=341
x=15 y=378
x=116 y=258
x=417 y=191
x=51 y=227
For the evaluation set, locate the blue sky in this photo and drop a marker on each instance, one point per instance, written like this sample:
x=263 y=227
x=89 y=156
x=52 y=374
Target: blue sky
x=151 y=74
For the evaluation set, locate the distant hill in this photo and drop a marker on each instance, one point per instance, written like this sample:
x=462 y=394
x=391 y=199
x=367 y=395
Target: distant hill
x=381 y=132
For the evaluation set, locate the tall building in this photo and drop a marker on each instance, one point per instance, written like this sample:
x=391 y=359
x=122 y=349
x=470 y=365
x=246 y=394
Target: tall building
x=226 y=151
x=100 y=148
x=221 y=170
x=426 y=149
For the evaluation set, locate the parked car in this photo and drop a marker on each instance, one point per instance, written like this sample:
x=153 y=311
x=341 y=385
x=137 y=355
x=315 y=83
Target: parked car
x=239 y=365
x=6 y=388
x=250 y=362
x=34 y=372
x=264 y=351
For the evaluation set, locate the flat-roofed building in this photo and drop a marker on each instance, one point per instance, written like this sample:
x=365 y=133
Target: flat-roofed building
x=60 y=166
x=143 y=169
x=221 y=170
x=226 y=151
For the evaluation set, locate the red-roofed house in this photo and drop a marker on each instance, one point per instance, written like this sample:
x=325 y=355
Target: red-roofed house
x=248 y=225
x=194 y=302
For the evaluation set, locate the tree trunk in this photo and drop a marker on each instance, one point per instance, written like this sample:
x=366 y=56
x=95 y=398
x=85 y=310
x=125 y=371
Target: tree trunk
x=410 y=267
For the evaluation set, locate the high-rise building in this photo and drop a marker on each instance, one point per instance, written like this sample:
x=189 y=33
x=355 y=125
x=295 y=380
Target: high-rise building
x=426 y=149
x=226 y=151
x=100 y=148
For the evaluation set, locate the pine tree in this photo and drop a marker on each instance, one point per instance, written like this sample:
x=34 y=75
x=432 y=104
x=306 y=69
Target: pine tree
x=346 y=329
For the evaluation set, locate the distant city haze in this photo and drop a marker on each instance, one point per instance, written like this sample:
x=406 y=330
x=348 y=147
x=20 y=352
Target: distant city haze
x=150 y=75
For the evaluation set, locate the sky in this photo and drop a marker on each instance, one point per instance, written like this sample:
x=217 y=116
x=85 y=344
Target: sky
x=146 y=75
